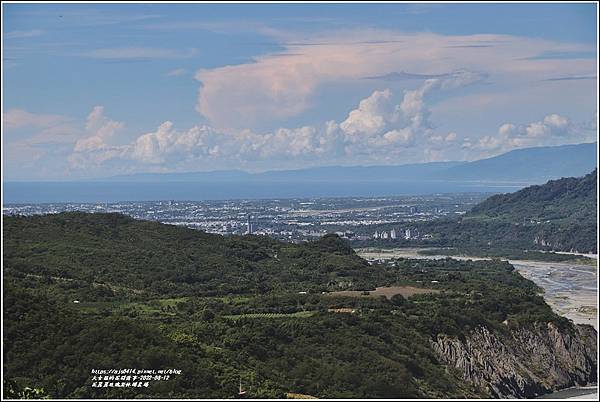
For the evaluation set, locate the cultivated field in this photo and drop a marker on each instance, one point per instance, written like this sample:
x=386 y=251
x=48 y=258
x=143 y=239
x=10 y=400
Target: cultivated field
x=299 y=314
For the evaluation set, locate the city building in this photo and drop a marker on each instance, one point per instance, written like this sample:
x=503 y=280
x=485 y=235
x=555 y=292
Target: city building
x=250 y=228
x=393 y=234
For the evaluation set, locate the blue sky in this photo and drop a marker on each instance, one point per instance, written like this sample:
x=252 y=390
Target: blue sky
x=94 y=90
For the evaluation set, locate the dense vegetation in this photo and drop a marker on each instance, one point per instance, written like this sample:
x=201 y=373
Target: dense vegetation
x=222 y=310
x=560 y=215
x=565 y=199
x=511 y=254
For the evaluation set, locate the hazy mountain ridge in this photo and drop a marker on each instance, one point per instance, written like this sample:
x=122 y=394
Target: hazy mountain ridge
x=321 y=182
x=521 y=165
x=322 y=173
x=530 y=164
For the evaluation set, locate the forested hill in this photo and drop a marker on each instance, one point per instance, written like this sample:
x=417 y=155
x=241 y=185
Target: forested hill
x=84 y=292
x=571 y=199
x=560 y=215
x=111 y=252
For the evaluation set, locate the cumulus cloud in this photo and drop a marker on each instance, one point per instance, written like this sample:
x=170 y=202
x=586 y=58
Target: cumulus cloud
x=95 y=147
x=272 y=87
x=100 y=129
x=383 y=128
x=372 y=115
x=236 y=97
x=551 y=130
x=380 y=124
x=166 y=144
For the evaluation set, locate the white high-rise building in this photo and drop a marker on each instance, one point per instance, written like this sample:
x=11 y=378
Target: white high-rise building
x=376 y=235
x=250 y=228
x=407 y=234
x=384 y=235
x=393 y=234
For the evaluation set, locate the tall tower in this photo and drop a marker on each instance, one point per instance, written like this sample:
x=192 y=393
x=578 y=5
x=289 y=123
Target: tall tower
x=249 y=225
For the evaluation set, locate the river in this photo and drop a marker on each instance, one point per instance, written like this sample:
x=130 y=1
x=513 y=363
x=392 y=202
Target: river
x=570 y=289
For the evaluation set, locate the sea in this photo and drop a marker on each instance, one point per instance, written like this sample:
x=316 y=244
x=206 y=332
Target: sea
x=105 y=191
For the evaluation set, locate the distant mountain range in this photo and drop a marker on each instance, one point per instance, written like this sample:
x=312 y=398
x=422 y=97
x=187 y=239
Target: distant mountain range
x=504 y=173
x=530 y=164
x=417 y=171
x=526 y=166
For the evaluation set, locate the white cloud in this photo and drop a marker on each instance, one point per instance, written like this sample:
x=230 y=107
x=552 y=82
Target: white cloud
x=557 y=122
x=403 y=136
x=275 y=88
x=378 y=126
x=95 y=148
x=553 y=129
x=203 y=143
x=379 y=123
x=372 y=115
x=151 y=147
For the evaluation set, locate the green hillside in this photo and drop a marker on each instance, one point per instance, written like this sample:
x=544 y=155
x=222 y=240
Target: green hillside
x=103 y=291
x=565 y=200
x=560 y=215
x=557 y=216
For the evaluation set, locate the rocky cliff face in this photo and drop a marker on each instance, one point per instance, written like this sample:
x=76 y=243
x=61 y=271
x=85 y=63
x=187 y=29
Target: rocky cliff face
x=523 y=363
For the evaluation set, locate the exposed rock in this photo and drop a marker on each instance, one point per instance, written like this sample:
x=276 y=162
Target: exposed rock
x=524 y=362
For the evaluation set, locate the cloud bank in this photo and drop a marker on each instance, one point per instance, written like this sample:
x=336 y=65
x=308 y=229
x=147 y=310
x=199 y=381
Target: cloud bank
x=276 y=88
x=377 y=126
x=406 y=81
x=381 y=129
x=553 y=129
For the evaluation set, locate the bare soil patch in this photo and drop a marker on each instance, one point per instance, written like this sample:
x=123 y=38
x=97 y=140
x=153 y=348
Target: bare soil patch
x=387 y=291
